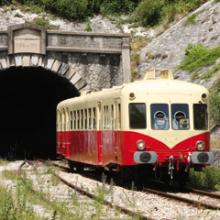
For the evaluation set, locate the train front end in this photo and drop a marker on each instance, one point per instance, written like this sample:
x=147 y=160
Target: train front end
x=167 y=126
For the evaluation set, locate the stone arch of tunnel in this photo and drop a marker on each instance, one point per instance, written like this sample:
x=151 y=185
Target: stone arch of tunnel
x=28 y=97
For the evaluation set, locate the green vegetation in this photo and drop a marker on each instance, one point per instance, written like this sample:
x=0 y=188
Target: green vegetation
x=15 y=207
x=3 y=161
x=26 y=195
x=88 y=27
x=215 y=103
x=153 y=12
x=144 y=12
x=191 y=19
x=197 y=57
x=136 y=44
x=208 y=179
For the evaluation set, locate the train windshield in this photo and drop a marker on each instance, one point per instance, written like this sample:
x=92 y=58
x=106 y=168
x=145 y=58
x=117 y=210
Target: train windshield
x=159 y=117
x=180 y=116
x=137 y=115
x=200 y=116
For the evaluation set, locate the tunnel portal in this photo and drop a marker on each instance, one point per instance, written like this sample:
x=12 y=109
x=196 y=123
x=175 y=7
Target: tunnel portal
x=28 y=97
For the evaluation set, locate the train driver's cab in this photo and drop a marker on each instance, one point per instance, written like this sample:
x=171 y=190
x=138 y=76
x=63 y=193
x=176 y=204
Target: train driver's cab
x=159 y=117
x=160 y=120
x=180 y=121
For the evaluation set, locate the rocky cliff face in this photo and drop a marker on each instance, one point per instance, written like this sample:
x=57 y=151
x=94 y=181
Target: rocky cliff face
x=12 y=15
x=168 y=49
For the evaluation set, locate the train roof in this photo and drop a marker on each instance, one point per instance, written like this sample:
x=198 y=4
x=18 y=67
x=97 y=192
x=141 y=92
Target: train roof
x=157 y=86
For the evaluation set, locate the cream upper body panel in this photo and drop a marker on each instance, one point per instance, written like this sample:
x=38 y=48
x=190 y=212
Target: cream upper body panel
x=146 y=91
x=164 y=92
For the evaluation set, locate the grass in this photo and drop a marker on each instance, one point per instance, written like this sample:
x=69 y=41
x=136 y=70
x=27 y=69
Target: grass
x=215 y=143
x=208 y=179
x=154 y=12
x=71 y=208
x=215 y=103
x=44 y=22
x=211 y=71
x=197 y=57
x=136 y=44
x=15 y=207
x=191 y=19
x=3 y=161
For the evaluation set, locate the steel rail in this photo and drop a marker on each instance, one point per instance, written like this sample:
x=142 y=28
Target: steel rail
x=205 y=193
x=106 y=202
x=198 y=204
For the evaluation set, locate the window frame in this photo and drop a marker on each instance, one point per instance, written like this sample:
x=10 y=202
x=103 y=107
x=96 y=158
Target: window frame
x=151 y=116
x=171 y=118
x=129 y=115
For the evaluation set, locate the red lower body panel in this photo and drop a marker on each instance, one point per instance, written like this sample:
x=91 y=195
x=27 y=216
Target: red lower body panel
x=118 y=147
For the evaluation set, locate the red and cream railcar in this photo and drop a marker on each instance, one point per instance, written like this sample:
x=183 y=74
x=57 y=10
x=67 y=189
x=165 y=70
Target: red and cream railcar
x=153 y=122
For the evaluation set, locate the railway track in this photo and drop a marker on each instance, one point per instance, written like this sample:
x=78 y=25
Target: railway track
x=198 y=204
x=127 y=211
x=173 y=196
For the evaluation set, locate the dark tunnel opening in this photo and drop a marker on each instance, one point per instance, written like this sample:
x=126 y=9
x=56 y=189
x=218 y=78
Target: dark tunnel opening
x=28 y=99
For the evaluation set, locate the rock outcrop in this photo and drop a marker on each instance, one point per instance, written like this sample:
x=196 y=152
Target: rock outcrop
x=168 y=49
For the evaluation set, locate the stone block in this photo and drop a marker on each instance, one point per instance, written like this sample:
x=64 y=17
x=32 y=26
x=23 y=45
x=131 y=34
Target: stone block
x=75 y=78
x=34 y=60
x=56 y=65
x=49 y=63
x=11 y=60
x=70 y=73
x=4 y=63
x=26 y=60
x=18 y=60
x=80 y=84
x=63 y=69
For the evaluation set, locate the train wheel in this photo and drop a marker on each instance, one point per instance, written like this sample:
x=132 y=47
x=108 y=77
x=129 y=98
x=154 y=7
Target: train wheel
x=182 y=178
x=75 y=167
x=79 y=167
x=125 y=176
x=71 y=165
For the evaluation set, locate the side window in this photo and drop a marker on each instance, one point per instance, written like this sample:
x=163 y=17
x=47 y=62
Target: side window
x=105 y=117
x=94 y=118
x=159 y=117
x=137 y=115
x=81 y=119
x=89 y=118
x=85 y=119
x=200 y=114
x=71 y=120
x=112 y=117
x=74 y=120
x=119 y=116
x=78 y=119
x=180 y=116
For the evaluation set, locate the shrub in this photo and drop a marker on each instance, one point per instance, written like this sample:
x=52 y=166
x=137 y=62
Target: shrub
x=116 y=7
x=198 y=56
x=149 y=12
x=215 y=103
x=208 y=179
x=191 y=19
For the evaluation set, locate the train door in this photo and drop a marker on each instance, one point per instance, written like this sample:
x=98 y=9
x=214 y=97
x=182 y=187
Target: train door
x=63 y=130
x=117 y=131
x=67 y=134
x=99 y=129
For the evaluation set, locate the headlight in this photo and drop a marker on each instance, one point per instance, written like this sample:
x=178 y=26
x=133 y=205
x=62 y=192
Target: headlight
x=140 y=145
x=200 y=145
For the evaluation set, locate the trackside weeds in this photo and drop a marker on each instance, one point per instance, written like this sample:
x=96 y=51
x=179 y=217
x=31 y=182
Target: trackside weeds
x=42 y=194
x=35 y=193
